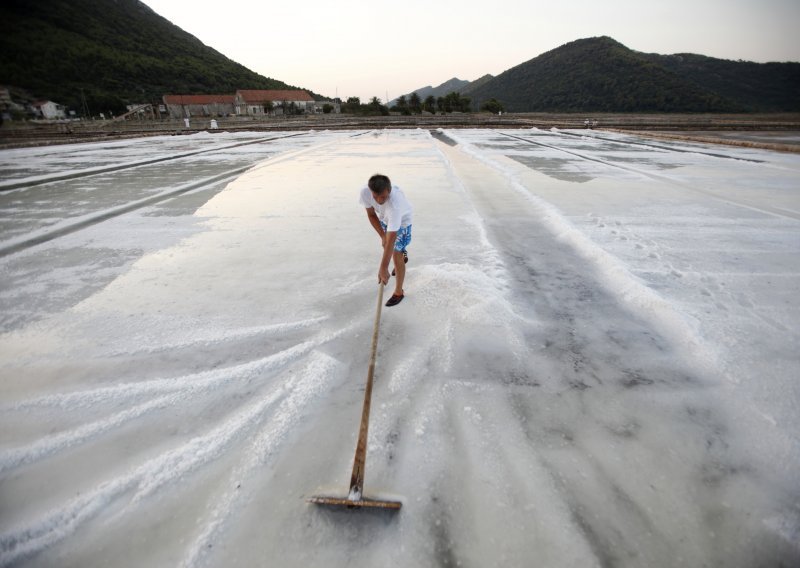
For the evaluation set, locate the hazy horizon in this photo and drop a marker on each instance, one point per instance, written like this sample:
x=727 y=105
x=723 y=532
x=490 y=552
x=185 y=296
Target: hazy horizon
x=351 y=49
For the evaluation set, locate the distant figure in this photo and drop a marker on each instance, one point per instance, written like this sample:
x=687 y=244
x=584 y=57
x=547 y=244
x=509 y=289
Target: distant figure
x=186 y=122
x=214 y=124
x=390 y=214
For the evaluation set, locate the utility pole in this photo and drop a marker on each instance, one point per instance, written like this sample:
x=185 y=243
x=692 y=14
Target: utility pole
x=85 y=106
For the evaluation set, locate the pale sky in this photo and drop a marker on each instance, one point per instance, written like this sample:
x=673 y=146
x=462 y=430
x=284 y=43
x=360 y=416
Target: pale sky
x=366 y=49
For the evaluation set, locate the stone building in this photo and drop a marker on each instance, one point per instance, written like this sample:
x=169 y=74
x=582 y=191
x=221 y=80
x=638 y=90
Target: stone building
x=255 y=102
x=245 y=103
x=185 y=106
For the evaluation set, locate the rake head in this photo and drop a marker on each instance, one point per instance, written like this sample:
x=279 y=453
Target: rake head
x=355 y=503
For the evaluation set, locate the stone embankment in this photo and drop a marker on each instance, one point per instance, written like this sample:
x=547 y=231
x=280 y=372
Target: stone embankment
x=682 y=126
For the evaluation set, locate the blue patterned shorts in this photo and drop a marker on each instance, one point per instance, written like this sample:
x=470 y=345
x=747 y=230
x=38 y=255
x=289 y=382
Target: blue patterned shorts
x=403 y=237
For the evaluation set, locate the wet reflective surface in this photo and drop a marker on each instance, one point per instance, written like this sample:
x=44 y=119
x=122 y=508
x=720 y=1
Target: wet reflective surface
x=594 y=364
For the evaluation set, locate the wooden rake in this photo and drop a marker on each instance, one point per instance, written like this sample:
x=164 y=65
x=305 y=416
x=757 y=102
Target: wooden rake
x=355 y=499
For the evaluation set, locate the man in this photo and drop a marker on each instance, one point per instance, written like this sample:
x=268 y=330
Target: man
x=390 y=214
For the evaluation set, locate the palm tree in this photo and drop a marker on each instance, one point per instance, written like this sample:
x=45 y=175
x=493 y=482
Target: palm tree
x=414 y=103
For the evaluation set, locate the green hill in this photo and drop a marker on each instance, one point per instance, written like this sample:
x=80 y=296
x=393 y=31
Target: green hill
x=479 y=82
x=602 y=75
x=115 y=51
x=763 y=87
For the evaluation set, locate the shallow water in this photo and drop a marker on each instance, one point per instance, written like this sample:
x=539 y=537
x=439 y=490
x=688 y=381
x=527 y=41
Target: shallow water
x=588 y=372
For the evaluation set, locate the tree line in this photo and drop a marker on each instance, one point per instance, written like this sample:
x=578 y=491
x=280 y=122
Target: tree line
x=451 y=102
x=413 y=104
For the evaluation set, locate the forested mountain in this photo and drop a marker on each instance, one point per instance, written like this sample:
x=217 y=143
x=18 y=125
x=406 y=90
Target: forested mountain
x=602 y=75
x=467 y=90
x=763 y=87
x=115 y=51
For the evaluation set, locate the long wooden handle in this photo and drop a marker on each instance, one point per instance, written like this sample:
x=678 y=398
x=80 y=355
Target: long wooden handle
x=359 y=462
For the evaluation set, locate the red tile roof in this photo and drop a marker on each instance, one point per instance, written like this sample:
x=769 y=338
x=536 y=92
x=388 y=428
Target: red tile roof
x=198 y=99
x=286 y=95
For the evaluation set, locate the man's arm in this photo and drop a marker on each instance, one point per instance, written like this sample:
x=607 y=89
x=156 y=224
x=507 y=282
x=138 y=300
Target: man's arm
x=388 y=250
x=375 y=222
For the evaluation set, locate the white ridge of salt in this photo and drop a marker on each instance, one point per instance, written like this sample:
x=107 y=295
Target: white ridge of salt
x=615 y=275
x=94 y=216
x=54 y=526
x=192 y=382
x=186 y=386
x=153 y=344
x=318 y=375
x=131 y=164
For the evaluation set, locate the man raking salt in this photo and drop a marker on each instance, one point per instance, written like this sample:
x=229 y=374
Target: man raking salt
x=390 y=214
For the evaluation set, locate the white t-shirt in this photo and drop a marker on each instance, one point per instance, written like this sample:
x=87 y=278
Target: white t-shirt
x=396 y=212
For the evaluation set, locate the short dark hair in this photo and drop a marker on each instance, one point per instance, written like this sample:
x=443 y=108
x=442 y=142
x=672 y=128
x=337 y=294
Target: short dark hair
x=379 y=183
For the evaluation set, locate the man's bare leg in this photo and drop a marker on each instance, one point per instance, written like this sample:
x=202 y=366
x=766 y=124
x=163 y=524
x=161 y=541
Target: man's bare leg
x=400 y=272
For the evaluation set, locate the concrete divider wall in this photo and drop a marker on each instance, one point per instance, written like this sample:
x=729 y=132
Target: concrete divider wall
x=15 y=134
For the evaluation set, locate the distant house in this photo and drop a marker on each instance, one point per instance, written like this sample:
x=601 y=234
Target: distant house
x=244 y=103
x=49 y=110
x=185 y=106
x=254 y=102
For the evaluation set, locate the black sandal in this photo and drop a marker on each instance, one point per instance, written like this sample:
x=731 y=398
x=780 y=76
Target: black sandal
x=394 y=300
